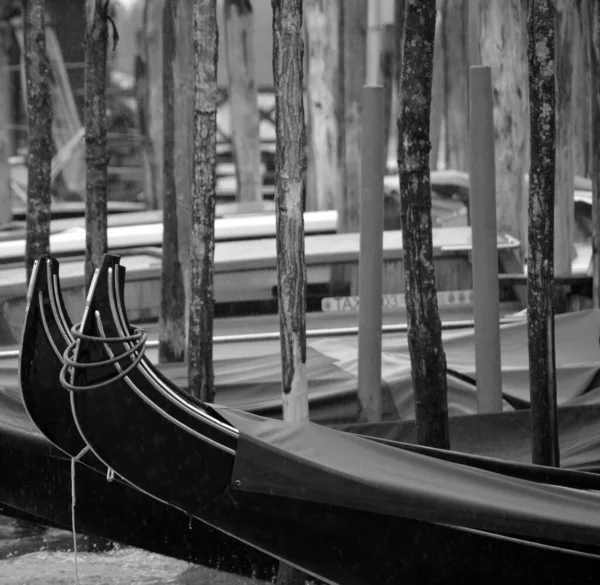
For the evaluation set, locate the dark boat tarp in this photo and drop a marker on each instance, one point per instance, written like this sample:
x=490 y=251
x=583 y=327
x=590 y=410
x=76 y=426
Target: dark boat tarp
x=311 y=462
x=35 y=479
x=507 y=435
x=254 y=384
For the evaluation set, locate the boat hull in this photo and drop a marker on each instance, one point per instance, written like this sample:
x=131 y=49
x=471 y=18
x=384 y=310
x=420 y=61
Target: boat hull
x=140 y=426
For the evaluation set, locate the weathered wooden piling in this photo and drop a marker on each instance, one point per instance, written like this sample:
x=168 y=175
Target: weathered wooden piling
x=6 y=91
x=484 y=241
x=593 y=24
x=540 y=259
x=243 y=98
x=39 y=113
x=427 y=356
x=370 y=265
x=96 y=151
x=202 y=229
x=171 y=334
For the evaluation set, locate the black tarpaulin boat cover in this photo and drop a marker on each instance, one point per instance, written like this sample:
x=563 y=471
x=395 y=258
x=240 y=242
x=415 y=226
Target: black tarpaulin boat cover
x=254 y=384
x=316 y=463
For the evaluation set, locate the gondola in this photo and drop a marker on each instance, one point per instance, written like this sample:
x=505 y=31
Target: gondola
x=36 y=476
x=342 y=508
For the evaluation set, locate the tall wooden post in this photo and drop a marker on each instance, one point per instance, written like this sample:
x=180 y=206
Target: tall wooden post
x=485 y=244
x=374 y=23
x=5 y=122
x=427 y=355
x=370 y=266
x=437 y=90
x=96 y=152
x=354 y=39
x=149 y=89
x=202 y=234
x=171 y=336
x=387 y=56
x=540 y=265
x=581 y=90
x=456 y=95
x=503 y=48
x=400 y=32
x=183 y=64
x=243 y=98
x=474 y=32
x=290 y=169
x=324 y=103
x=594 y=57
x=290 y=177
x=39 y=111
x=565 y=122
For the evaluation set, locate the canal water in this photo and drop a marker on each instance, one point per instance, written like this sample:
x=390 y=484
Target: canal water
x=32 y=555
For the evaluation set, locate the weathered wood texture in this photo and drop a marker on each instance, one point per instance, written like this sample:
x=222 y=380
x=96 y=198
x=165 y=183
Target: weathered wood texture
x=540 y=266
x=149 y=89
x=354 y=67
x=183 y=65
x=399 y=26
x=437 y=91
x=565 y=137
x=324 y=104
x=387 y=57
x=290 y=169
x=593 y=24
x=474 y=43
x=171 y=337
x=455 y=41
x=428 y=359
x=243 y=97
x=582 y=91
x=290 y=178
x=96 y=151
x=202 y=234
x=39 y=111
x=6 y=119
x=503 y=48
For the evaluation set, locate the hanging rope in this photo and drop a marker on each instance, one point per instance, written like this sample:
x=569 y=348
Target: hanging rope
x=73 y=504
x=70 y=363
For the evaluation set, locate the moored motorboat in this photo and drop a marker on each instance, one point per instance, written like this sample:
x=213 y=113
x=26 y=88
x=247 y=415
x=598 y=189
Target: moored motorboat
x=337 y=506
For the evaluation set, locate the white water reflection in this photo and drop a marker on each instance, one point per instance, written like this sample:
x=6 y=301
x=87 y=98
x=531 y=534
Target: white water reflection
x=124 y=566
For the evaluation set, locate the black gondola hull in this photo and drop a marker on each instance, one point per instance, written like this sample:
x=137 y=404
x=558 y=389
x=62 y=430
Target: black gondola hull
x=133 y=422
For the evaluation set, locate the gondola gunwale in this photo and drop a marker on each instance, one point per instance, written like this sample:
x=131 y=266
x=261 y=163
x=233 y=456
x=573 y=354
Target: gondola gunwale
x=38 y=295
x=159 y=382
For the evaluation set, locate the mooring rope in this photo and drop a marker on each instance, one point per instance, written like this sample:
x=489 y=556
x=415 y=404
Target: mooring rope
x=73 y=504
x=70 y=363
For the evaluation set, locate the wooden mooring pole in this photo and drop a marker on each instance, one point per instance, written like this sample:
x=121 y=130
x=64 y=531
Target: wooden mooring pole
x=484 y=241
x=370 y=264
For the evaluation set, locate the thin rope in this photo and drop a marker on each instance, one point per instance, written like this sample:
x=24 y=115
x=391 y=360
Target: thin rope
x=70 y=364
x=73 y=504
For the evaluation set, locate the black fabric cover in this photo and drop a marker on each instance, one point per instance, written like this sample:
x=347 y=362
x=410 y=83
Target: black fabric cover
x=312 y=462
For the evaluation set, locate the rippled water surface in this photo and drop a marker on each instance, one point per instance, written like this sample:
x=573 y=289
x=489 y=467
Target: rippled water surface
x=30 y=555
